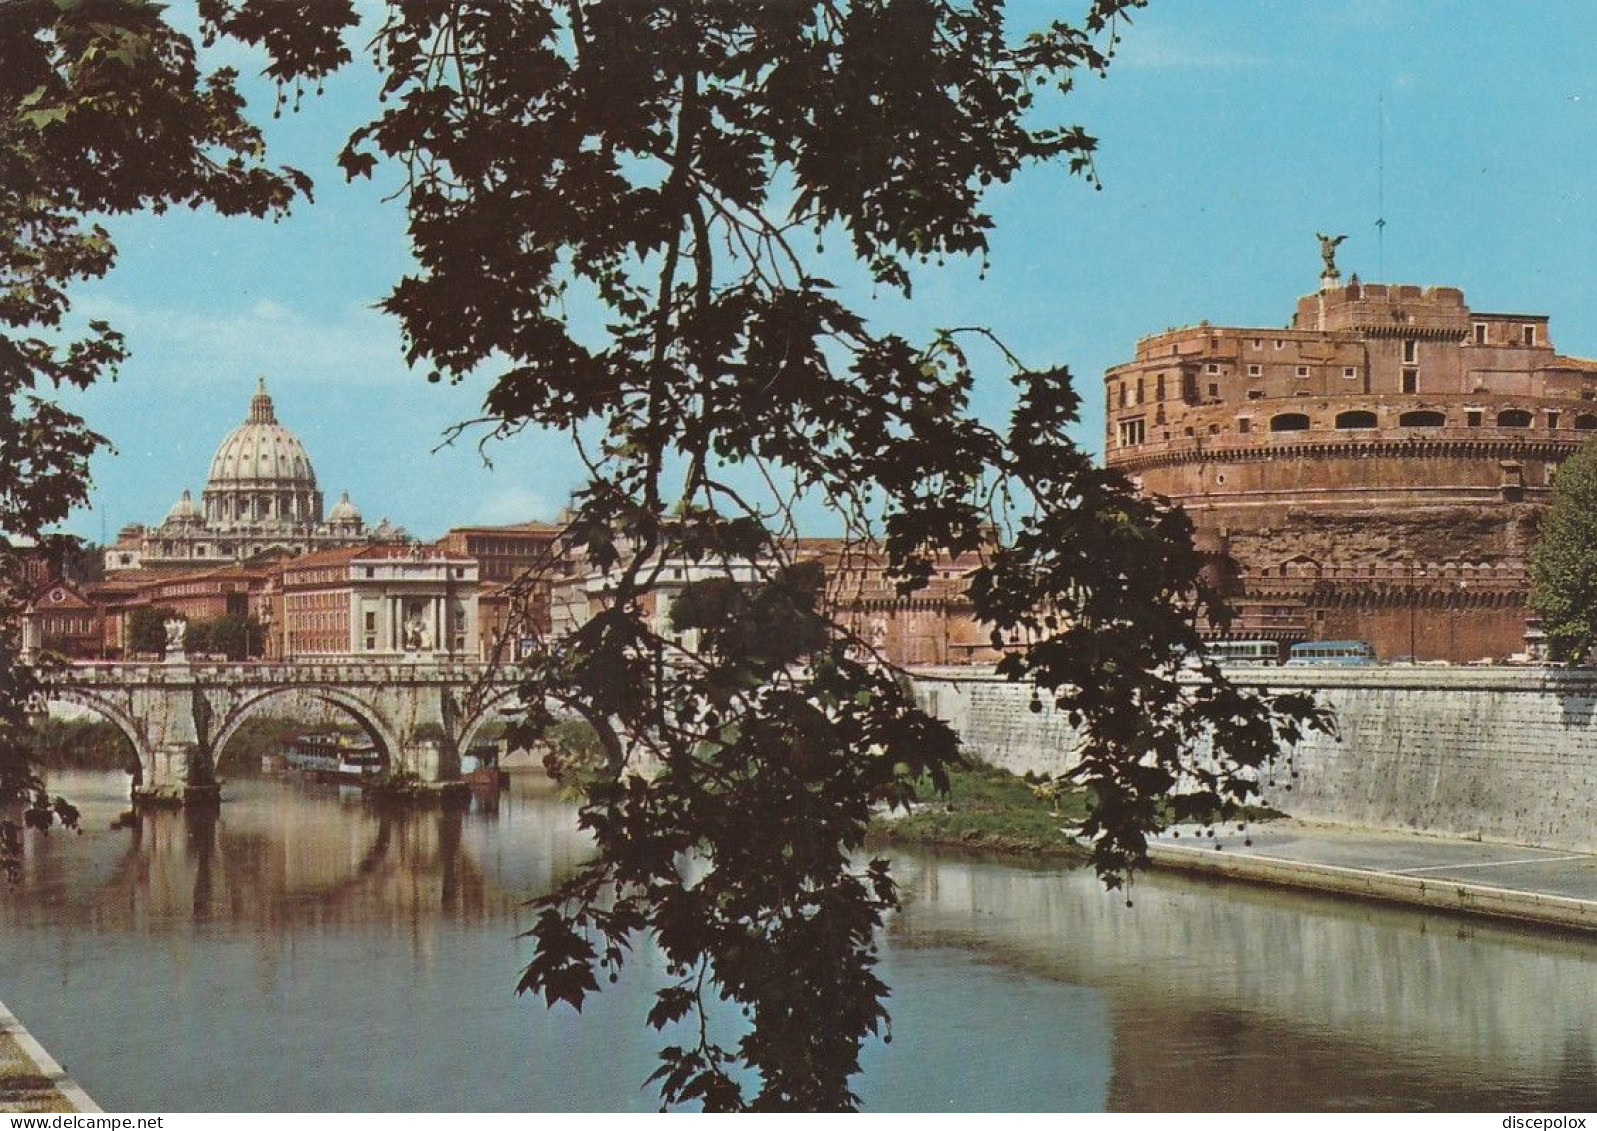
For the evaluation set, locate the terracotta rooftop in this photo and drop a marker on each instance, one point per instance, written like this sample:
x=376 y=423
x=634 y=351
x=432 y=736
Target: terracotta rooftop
x=375 y=551
x=509 y=528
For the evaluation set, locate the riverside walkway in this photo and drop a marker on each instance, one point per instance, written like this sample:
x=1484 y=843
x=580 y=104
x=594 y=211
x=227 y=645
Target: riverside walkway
x=30 y=1079
x=1500 y=881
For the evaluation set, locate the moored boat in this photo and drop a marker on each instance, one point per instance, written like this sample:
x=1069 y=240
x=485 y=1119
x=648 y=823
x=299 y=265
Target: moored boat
x=333 y=757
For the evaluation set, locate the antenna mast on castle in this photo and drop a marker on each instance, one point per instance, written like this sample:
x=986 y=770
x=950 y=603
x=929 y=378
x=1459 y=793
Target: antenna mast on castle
x=1380 y=185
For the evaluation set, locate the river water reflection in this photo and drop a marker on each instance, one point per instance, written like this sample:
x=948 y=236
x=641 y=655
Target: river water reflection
x=303 y=952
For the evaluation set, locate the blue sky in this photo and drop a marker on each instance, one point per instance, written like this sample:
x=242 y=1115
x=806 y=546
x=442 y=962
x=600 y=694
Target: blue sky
x=1230 y=133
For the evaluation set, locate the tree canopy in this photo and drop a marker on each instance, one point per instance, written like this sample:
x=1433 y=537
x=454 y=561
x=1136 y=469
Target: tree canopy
x=671 y=163
x=103 y=111
x=1563 y=560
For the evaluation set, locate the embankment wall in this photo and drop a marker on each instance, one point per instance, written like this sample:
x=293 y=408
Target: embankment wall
x=1506 y=754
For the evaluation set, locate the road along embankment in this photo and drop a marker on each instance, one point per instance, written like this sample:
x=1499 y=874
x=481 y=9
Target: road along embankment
x=30 y=1078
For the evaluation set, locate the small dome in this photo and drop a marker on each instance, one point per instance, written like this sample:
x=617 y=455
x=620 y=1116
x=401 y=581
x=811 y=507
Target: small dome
x=261 y=453
x=344 y=510
x=387 y=531
x=184 y=510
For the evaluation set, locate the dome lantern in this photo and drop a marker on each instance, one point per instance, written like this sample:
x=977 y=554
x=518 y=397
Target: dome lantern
x=261 y=410
x=184 y=510
x=344 y=511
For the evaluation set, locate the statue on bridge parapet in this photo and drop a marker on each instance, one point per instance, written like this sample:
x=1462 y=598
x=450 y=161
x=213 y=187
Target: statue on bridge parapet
x=176 y=629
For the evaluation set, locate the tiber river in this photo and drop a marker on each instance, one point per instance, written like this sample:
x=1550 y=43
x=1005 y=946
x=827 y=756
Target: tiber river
x=304 y=953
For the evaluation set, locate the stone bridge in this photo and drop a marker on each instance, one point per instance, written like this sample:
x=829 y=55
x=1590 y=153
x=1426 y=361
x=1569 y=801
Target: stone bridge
x=179 y=716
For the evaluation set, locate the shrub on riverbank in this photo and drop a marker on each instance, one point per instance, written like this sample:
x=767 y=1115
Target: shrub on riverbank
x=991 y=810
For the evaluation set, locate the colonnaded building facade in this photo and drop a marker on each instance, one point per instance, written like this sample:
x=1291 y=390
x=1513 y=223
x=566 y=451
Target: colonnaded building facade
x=1373 y=472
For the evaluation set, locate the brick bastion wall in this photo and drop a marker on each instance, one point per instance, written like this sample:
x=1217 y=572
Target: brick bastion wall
x=1506 y=754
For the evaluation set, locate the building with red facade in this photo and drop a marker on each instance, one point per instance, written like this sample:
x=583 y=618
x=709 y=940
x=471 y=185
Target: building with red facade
x=61 y=620
x=517 y=566
x=935 y=625
x=383 y=599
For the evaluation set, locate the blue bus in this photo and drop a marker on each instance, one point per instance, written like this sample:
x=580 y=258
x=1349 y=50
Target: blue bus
x=1338 y=652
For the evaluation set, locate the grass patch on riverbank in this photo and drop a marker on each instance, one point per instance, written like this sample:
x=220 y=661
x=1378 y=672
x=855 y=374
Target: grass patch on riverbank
x=991 y=811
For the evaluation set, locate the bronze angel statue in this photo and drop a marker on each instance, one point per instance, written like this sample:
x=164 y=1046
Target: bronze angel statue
x=1328 y=251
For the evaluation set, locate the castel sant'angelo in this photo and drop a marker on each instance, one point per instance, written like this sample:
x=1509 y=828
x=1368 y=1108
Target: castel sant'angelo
x=1374 y=472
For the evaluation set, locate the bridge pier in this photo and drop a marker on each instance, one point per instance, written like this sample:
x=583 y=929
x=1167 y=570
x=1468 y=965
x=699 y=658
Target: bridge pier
x=176 y=773
x=177 y=763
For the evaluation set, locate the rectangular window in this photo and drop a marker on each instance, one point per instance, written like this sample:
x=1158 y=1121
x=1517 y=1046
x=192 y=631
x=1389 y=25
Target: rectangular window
x=1349 y=372
x=1411 y=350
x=1552 y=420
x=1255 y=394
x=1280 y=343
x=1213 y=368
x=1159 y=388
x=371 y=622
x=1139 y=390
x=1480 y=333
x=1529 y=332
x=1132 y=432
x=371 y=644
x=1258 y=343
x=1303 y=371
x=1473 y=418
x=1214 y=391
x=1411 y=380
x=1255 y=371
x=1244 y=424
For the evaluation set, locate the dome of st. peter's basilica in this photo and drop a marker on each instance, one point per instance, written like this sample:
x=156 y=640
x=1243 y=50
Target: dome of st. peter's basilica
x=261 y=497
x=261 y=473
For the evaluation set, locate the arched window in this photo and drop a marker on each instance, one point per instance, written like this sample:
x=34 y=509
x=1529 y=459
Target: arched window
x=1513 y=418
x=1586 y=422
x=1289 y=422
x=1421 y=419
x=1355 y=419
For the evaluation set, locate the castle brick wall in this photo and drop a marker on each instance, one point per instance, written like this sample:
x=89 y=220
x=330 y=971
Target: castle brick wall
x=1383 y=414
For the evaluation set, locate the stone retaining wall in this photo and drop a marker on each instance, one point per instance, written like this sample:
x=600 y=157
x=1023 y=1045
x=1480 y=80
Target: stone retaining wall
x=1505 y=754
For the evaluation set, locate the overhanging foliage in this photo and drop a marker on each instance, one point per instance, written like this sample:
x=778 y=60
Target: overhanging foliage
x=671 y=162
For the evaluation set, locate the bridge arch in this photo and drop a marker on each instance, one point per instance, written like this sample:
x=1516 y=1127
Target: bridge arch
x=472 y=725
x=371 y=720
x=108 y=709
